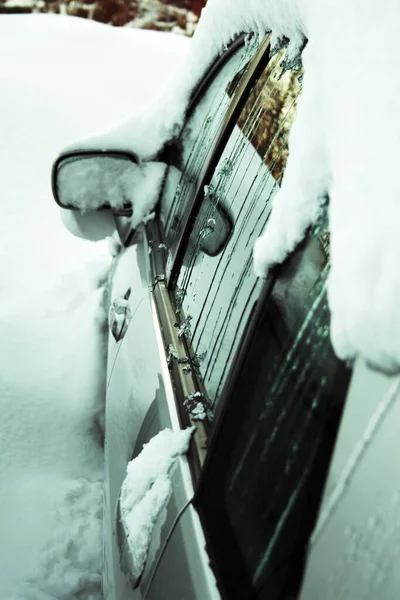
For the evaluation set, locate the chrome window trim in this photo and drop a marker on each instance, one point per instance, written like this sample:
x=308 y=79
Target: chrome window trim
x=177 y=351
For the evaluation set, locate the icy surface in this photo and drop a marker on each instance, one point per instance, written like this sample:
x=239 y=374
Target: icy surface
x=53 y=73
x=342 y=146
x=147 y=488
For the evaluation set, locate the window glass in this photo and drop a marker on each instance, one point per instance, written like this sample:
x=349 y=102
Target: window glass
x=272 y=452
x=198 y=137
x=217 y=292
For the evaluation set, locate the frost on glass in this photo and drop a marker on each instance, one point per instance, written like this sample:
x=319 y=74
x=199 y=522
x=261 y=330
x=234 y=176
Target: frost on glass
x=219 y=291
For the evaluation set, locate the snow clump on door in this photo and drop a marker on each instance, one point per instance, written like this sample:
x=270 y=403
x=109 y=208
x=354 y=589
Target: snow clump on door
x=146 y=490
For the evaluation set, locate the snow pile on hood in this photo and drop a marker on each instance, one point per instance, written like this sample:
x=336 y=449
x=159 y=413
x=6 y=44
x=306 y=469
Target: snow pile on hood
x=146 y=491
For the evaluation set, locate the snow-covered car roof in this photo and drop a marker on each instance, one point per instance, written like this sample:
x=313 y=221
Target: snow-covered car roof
x=336 y=150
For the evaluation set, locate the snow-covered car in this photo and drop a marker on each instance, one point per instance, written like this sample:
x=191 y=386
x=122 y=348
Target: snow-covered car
x=289 y=488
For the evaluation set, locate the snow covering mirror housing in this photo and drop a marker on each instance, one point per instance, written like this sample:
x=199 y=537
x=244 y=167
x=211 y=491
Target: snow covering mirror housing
x=92 y=180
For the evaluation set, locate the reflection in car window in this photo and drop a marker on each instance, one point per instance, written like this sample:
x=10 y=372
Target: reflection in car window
x=198 y=136
x=269 y=114
x=265 y=475
x=217 y=293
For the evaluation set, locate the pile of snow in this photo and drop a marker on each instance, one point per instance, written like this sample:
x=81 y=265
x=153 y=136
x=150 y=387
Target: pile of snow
x=146 y=490
x=340 y=147
x=53 y=74
x=145 y=132
x=344 y=144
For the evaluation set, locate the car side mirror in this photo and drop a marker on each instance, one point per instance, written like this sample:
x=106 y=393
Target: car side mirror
x=95 y=180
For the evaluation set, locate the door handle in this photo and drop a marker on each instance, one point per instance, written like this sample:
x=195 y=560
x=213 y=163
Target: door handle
x=119 y=316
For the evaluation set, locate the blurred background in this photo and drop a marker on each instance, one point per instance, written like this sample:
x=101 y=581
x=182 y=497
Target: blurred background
x=177 y=16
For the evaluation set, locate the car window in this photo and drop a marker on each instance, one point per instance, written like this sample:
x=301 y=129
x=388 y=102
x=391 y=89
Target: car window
x=266 y=469
x=217 y=289
x=198 y=137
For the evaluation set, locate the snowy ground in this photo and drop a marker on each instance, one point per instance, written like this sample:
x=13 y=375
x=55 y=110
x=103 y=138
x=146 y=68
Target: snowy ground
x=59 y=78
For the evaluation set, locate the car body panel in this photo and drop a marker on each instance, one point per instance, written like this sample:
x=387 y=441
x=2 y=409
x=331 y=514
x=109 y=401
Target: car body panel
x=130 y=272
x=183 y=572
x=133 y=382
x=356 y=543
x=138 y=380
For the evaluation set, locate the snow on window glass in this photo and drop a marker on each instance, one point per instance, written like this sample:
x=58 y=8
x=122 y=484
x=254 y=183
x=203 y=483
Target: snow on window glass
x=218 y=292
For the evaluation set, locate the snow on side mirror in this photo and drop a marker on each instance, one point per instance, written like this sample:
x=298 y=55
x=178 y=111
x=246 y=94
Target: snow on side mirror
x=95 y=180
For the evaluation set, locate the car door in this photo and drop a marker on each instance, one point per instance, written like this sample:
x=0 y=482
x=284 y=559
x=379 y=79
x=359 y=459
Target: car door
x=133 y=384
x=186 y=545
x=354 y=549
x=140 y=392
x=212 y=279
x=272 y=391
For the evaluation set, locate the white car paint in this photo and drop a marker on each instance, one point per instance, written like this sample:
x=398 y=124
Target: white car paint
x=137 y=375
x=356 y=543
